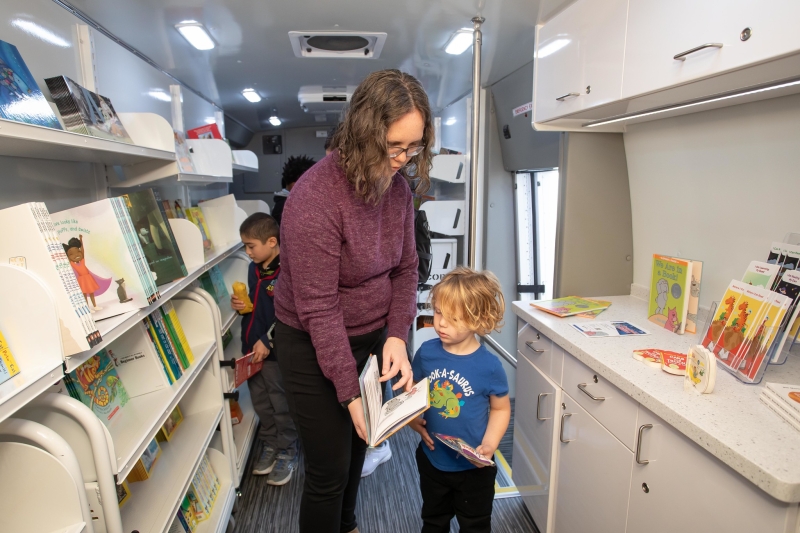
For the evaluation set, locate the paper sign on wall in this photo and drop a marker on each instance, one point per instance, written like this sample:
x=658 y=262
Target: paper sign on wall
x=523 y=109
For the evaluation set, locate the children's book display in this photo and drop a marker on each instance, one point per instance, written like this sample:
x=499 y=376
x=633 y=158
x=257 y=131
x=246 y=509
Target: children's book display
x=464 y=449
x=20 y=97
x=34 y=245
x=8 y=366
x=155 y=236
x=701 y=370
x=784 y=400
x=102 y=245
x=384 y=419
x=166 y=334
x=200 y=498
x=675 y=293
x=195 y=216
x=209 y=131
x=616 y=328
x=570 y=305
x=97 y=385
x=86 y=112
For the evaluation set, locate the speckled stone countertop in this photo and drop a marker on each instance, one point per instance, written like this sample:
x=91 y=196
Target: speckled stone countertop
x=731 y=423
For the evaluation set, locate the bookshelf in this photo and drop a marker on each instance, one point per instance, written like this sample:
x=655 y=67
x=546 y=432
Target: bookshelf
x=449 y=168
x=218 y=521
x=244 y=161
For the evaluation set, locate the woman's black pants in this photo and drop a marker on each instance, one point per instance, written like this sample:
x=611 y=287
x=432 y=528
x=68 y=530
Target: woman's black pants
x=333 y=451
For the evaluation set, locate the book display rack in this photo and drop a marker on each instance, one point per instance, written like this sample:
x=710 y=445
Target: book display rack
x=82 y=467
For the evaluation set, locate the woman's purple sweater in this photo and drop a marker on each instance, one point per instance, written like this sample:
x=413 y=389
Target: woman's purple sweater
x=347 y=267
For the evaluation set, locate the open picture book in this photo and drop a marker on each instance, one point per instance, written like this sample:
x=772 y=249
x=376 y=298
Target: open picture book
x=384 y=419
x=464 y=449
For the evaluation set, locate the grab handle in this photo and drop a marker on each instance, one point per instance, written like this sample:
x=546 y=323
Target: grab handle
x=538 y=403
x=582 y=387
x=683 y=55
x=561 y=432
x=639 y=445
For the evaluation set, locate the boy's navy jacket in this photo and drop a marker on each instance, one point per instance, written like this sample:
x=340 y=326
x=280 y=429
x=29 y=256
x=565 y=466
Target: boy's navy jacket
x=261 y=287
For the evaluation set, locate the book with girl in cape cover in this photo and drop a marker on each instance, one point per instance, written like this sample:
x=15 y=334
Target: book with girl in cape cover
x=384 y=419
x=20 y=97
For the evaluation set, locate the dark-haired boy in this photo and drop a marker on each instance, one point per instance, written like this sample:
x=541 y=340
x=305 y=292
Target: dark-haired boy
x=277 y=457
x=294 y=167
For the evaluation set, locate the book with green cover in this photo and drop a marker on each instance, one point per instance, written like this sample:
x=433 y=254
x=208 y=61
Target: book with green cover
x=96 y=384
x=195 y=216
x=176 y=324
x=173 y=337
x=569 y=305
x=172 y=373
x=166 y=343
x=670 y=290
x=214 y=284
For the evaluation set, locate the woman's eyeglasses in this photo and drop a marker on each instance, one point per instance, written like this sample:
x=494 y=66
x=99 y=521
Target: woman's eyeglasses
x=411 y=151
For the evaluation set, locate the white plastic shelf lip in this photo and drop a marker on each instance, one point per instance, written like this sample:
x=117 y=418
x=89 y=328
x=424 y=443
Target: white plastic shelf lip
x=128 y=455
x=155 y=502
x=112 y=328
x=18 y=139
x=243 y=168
x=25 y=386
x=229 y=322
x=178 y=177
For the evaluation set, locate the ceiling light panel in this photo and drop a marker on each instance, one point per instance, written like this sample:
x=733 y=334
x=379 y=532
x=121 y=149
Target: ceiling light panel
x=196 y=34
x=251 y=95
x=275 y=121
x=459 y=42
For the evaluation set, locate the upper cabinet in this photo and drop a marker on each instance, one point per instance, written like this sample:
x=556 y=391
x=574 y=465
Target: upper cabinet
x=579 y=58
x=669 y=43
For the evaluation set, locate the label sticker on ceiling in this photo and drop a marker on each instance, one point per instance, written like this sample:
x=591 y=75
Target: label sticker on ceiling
x=523 y=109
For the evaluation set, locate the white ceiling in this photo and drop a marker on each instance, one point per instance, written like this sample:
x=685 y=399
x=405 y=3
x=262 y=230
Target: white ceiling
x=253 y=48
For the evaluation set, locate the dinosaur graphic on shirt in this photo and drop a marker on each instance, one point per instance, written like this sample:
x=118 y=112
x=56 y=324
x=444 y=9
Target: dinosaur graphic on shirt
x=443 y=397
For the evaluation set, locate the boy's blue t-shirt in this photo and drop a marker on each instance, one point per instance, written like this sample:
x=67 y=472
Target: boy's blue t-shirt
x=460 y=390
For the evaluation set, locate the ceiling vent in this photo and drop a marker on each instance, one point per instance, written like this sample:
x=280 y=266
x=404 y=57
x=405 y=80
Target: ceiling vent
x=339 y=44
x=324 y=99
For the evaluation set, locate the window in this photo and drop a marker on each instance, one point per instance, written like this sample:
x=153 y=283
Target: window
x=536 y=204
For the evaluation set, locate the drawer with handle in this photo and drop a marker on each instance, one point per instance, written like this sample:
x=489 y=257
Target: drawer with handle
x=540 y=350
x=610 y=406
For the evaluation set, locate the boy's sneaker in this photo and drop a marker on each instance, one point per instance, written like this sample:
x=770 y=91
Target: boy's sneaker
x=284 y=468
x=266 y=460
x=376 y=456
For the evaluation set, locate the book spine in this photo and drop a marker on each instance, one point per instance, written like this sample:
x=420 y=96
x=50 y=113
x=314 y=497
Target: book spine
x=134 y=248
x=154 y=338
x=176 y=323
x=200 y=509
x=169 y=351
x=173 y=337
x=171 y=235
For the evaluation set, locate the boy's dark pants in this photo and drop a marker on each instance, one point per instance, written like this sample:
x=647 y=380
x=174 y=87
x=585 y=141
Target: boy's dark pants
x=468 y=495
x=269 y=402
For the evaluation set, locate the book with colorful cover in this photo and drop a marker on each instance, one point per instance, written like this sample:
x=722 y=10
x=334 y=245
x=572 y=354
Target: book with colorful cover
x=761 y=274
x=245 y=368
x=724 y=313
x=753 y=361
x=213 y=282
x=464 y=449
x=757 y=300
x=733 y=328
x=34 y=246
x=195 y=216
x=183 y=155
x=168 y=370
x=596 y=312
x=789 y=286
x=670 y=289
x=155 y=236
x=97 y=385
x=86 y=112
x=209 y=131
x=143 y=468
x=20 y=97
x=169 y=309
x=785 y=256
x=8 y=365
x=166 y=344
x=173 y=337
x=568 y=306
x=146 y=275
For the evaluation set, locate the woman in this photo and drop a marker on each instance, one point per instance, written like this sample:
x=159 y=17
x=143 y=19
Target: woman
x=348 y=281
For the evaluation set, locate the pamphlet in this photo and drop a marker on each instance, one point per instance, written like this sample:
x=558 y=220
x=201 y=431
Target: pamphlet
x=464 y=449
x=610 y=329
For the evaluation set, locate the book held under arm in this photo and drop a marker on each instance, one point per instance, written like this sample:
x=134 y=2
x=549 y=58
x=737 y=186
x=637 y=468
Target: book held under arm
x=384 y=419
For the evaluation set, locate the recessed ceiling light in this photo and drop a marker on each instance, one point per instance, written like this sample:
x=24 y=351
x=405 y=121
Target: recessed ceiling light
x=459 y=42
x=552 y=47
x=42 y=33
x=158 y=94
x=450 y=121
x=251 y=95
x=274 y=120
x=196 y=34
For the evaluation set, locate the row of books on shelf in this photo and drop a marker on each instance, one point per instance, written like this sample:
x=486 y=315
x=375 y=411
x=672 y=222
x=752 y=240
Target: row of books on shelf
x=758 y=317
x=151 y=356
x=82 y=111
x=100 y=259
x=198 y=503
x=784 y=400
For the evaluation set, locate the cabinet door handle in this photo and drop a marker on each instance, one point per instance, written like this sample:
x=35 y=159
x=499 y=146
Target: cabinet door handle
x=538 y=402
x=568 y=95
x=561 y=432
x=582 y=387
x=529 y=344
x=682 y=56
x=639 y=445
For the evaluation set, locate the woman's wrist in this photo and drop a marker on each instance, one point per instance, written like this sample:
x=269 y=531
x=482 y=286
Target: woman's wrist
x=345 y=404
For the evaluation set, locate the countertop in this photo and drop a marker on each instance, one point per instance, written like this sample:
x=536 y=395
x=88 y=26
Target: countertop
x=731 y=422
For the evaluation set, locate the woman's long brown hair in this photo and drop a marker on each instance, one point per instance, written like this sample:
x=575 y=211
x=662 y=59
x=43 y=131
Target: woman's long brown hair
x=380 y=100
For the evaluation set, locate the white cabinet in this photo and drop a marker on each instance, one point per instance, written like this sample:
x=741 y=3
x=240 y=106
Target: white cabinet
x=537 y=407
x=683 y=488
x=579 y=58
x=658 y=31
x=594 y=473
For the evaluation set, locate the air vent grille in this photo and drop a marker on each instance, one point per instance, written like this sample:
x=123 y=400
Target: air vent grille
x=336 y=44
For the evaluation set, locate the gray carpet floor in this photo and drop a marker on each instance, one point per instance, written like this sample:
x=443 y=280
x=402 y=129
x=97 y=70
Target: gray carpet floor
x=389 y=500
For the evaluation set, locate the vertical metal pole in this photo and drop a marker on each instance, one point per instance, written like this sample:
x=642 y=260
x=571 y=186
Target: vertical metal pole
x=472 y=255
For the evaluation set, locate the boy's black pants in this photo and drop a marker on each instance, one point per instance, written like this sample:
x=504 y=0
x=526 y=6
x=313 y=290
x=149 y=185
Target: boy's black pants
x=468 y=495
x=333 y=451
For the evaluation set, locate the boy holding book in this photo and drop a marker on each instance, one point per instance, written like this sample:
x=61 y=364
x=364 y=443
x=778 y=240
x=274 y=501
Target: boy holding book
x=469 y=400
x=278 y=454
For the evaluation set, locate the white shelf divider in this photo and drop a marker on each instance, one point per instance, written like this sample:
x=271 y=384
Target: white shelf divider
x=244 y=161
x=31 y=329
x=221 y=513
x=18 y=139
x=449 y=168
